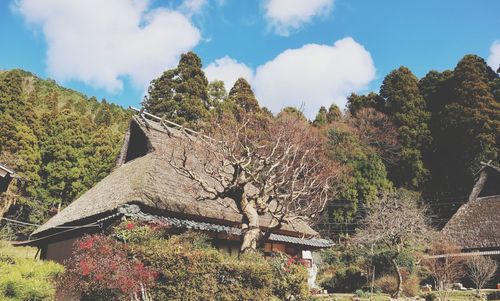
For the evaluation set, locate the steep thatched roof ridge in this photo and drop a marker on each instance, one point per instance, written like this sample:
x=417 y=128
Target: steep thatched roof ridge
x=476 y=225
x=151 y=182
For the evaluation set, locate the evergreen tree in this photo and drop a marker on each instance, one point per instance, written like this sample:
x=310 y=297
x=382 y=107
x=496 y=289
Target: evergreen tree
x=406 y=106
x=62 y=155
x=470 y=121
x=436 y=88
x=357 y=102
x=216 y=93
x=334 y=114
x=103 y=116
x=367 y=182
x=294 y=112
x=321 y=118
x=241 y=94
x=180 y=94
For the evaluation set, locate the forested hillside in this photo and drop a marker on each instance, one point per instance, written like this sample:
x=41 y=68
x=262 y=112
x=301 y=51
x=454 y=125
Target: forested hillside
x=428 y=135
x=59 y=142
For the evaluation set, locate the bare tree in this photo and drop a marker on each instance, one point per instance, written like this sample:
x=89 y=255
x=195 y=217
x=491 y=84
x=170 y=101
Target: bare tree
x=377 y=131
x=395 y=223
x=481 y=269
x=273 y=167
x=444 y=265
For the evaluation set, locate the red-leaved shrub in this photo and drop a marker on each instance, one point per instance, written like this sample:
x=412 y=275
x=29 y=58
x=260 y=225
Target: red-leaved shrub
x=101 y=268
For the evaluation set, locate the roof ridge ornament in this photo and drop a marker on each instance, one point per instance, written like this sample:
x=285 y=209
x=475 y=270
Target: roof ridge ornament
x=481 y=180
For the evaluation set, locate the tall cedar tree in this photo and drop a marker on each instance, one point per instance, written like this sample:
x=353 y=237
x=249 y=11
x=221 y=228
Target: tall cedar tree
x=180 y=94
x=406 y=106
x=464 y=114
x=241 y=93
x=467 y=131
x=436 y=88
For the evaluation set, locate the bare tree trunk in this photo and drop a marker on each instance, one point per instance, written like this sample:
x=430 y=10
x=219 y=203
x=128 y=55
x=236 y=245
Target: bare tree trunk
x=476 y=190
x=250 y=228
x=399 y=279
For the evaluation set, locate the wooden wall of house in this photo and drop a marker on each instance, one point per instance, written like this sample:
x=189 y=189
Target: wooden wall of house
x=5 y=182
x=58 y=251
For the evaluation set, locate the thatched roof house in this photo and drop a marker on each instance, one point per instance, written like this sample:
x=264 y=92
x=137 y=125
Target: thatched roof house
x=145 y=186
x=476 y=224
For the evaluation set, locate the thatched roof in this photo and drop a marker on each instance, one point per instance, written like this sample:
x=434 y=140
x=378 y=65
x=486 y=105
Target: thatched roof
x=476 y=225
x=144 y=177
x=4 y=171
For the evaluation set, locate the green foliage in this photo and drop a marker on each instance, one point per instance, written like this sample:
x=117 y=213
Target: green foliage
x=241 y=94
x=289 y=278
x=327 y=117
x=357 y=102
x=57 y=140
x=344 y=280
x=180 y=94
x=23 y=278
x=361 y=294
x=368 y=178
x=406 y=106
x=465 y=124
x=293 y=111
x=321 y=118
x=216 y=93
x=382 y=262
x=191 y=269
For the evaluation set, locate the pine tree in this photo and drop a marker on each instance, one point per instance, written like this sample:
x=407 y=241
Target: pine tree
x=406 y=106
x=180 y=94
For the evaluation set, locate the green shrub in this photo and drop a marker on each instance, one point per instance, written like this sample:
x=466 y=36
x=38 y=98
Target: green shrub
x=384 y=266
x=191 y=269
x=289 y=278
x=361 y=294
x=344 y=280
x=27 y=279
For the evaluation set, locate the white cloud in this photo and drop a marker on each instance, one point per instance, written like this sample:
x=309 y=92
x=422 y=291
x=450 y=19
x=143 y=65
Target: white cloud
x=228 y=70
x=494 y=58
x=314 y=75
x=192 y=7
x=100 y=42
x=285 y=16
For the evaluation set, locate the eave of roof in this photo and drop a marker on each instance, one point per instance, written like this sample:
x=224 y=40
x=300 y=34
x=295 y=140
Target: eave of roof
x=133 y=211
x=10 y=171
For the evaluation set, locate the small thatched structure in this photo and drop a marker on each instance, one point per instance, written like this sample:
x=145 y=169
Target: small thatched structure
x=476 y=224
x=145 y=186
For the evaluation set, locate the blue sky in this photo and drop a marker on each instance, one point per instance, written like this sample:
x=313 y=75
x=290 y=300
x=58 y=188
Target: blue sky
x=294 y=52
